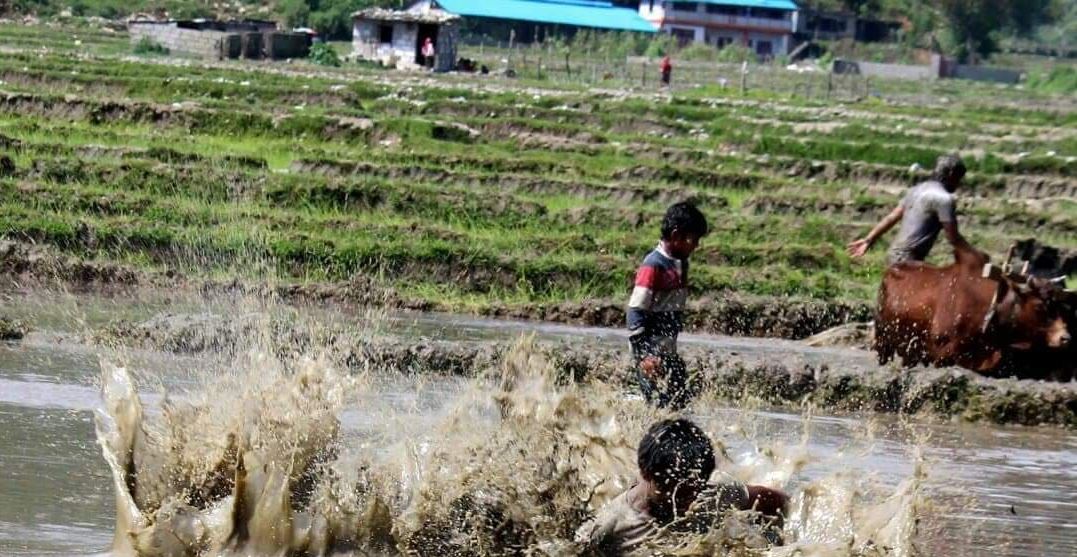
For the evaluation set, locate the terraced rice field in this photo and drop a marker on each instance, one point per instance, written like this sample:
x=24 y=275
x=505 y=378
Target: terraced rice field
x=486 y=194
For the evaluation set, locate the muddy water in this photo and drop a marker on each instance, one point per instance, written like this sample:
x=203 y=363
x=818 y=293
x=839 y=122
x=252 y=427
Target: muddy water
x=1005 y=491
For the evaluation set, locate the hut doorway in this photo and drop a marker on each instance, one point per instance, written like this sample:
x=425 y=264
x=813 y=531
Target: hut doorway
x=426 y=30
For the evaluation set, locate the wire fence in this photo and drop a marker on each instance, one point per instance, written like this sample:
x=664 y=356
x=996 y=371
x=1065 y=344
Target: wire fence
x=595 y=69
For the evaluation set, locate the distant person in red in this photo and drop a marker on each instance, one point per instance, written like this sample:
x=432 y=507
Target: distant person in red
x=428 y=53
x=667 y=70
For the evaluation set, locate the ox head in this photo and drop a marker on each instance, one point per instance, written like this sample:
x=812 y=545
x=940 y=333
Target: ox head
x=1037 y=318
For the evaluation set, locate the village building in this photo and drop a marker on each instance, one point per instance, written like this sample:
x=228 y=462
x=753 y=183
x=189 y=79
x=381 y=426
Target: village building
x=210 y=39
x=764 y=26
x=812 y=24
x=528 y=21
x=395 y=38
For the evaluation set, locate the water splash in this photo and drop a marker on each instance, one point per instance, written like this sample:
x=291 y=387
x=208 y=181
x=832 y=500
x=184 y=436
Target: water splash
x=254 y=460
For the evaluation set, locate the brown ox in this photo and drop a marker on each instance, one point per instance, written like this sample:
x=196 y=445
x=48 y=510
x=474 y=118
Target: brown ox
x=953 y=315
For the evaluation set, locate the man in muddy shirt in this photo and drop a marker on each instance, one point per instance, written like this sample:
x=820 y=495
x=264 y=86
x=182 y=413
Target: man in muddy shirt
x=676 y=460
x=927 y=209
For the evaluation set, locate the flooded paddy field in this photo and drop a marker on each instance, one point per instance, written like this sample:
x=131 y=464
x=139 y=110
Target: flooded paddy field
x=976 y=487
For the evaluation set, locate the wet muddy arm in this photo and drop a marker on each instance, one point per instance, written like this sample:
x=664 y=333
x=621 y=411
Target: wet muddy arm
x=860 y=247
x=955 y=238
x=769 y=502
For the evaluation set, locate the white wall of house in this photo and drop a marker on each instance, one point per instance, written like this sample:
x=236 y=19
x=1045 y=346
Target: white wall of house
x=369 y=44
x=652 y=10
x=764 y=32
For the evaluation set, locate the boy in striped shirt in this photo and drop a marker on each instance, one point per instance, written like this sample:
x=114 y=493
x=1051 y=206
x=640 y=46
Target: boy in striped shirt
x=656 y=309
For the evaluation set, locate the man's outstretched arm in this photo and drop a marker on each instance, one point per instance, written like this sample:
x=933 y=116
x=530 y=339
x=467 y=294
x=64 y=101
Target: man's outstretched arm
x=860 y=247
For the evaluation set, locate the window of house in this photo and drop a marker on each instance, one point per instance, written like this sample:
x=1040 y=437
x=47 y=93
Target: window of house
x=385 y=33
x=685 y=6
x=723 y=42
x=719 y=9
x=765 y=13
x=683 y=36
x=764 y=48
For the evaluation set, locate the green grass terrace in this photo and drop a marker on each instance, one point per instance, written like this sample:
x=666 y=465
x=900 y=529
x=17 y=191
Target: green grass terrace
x=468 y=194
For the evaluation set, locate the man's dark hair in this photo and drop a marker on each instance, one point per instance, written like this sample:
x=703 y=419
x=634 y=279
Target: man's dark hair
x=686 y=218
x=675 y=451
x=949 y=168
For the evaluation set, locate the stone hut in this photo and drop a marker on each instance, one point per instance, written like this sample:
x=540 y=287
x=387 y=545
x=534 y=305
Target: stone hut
x=395 y=38
x=220 y=40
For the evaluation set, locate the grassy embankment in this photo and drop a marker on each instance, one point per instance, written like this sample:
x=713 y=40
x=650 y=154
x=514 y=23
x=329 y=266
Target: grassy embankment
x=474 y=194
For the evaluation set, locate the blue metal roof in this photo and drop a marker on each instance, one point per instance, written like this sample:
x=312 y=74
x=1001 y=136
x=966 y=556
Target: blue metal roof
x=771 y=4
x=582 y=13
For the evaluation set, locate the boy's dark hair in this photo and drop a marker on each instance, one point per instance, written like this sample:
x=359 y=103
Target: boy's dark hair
x=675 y=451
x=949 y=167
x=686 y=218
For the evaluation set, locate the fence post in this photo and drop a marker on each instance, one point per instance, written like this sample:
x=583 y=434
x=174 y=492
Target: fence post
x=568 y=69
x=829 y=84
x=643 y=75
x=744 y=78
x=512 y=38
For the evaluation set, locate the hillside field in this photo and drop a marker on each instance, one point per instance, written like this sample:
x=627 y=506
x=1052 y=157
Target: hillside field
x=491 y=195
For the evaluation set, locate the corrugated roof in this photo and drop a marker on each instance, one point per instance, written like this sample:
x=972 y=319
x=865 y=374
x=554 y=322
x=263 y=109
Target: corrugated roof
x=772 y=4
x=429 y=16
x=582 y=13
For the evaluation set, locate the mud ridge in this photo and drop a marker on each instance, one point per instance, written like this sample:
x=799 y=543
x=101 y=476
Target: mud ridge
x=940 y=393
x=996 y=214
x=976 y=183
x=23 y=265
x=506 y=181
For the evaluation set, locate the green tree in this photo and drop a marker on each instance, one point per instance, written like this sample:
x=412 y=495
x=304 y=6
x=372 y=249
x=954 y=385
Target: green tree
x=296 y=13
x=1027 y=15
x=974 y=25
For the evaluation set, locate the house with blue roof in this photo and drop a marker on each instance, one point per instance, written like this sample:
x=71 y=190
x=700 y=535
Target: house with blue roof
x=764 y=26
x=396 y=37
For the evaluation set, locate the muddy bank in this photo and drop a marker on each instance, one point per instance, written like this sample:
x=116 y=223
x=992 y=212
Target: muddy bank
x=12 y=329
x=24 y=265
x=730 y=376
x=728 y=315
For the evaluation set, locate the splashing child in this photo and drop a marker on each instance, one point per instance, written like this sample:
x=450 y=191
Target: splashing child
x=655 y=310
x=673 y=494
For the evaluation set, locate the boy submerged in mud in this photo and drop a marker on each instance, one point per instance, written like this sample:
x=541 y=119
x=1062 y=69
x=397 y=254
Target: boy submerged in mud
x=656 y=308
x=673 y=494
